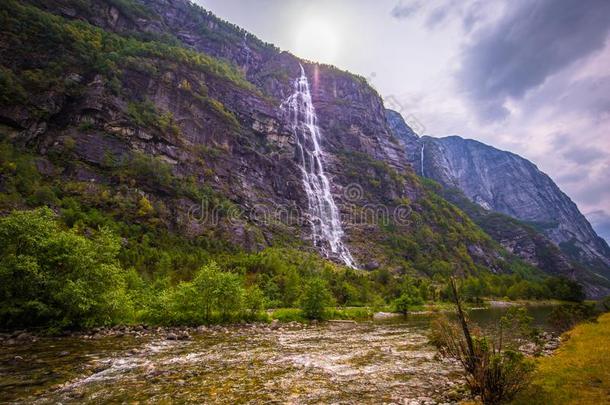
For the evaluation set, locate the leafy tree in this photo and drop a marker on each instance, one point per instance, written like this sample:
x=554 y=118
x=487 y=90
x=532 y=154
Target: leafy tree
x=254 y=301
x=216 y=291
x=409 y=297
x=228 y=294
x=316 y=297
x=473 y=289
x=54 y=277
x=565 y=289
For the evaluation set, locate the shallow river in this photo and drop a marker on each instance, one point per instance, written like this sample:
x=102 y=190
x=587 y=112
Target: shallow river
x=370 y=362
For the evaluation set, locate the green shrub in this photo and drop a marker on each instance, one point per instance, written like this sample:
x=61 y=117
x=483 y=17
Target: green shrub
x=564 y=289
x=409 y=298
x=316 y=297
x=212 y=296
x=254 y=302
x=288 y=315
x=349 y=313
x=494 y=372
x=54 y=277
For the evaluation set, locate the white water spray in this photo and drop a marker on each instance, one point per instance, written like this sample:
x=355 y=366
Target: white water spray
x=422 y=159
x=325 y=221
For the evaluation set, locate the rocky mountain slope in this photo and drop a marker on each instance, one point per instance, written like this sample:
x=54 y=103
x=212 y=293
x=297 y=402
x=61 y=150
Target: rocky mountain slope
x=503 y=182
x=160 y=116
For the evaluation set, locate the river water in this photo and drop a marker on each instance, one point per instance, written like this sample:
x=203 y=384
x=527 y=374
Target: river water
x=369 y=362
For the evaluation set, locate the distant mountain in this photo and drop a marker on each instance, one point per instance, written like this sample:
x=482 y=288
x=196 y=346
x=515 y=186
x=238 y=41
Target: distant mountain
x=503 y=182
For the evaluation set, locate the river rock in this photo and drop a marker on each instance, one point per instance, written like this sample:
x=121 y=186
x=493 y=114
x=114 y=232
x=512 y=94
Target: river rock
x=384 y=315
x=184 y=335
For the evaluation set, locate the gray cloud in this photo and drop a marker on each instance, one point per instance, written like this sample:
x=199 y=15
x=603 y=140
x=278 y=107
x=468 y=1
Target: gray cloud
x=583 y=155
x=437 y=16
x=532 y=41
x=436 y=12
x=573 y=177
x=588 y=95
x=405 y=9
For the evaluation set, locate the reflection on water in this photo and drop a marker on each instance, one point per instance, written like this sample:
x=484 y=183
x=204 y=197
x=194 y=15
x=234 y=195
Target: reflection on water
x=372 y=362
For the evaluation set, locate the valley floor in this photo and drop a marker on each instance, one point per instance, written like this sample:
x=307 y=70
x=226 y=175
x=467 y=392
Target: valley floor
x=578 y=373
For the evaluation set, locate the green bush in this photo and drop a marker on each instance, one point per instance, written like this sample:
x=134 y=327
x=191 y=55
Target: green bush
x=288 y=315
x=492 y=369
x=54 y=277
x=316 y=297
x=409 y=298
x=254 y=302
x=212 y=296
x=349 y=313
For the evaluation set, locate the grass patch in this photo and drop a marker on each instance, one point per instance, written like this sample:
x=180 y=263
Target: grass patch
x=296 y=314
x=288 y=315
x=578 y=373
x=354 y=313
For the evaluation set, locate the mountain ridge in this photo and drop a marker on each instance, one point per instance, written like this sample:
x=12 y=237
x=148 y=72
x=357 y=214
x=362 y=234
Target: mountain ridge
x=203 y=125
x=148 y=113
x=507 y=183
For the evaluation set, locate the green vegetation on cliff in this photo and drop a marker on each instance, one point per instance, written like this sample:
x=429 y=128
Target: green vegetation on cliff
x=124 y=187
x=77 y=47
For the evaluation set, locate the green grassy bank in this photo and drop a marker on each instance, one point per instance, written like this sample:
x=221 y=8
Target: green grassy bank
x=578 y=373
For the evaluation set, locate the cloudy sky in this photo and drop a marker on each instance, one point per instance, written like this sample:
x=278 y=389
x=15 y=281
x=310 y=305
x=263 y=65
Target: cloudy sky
x=529 y=76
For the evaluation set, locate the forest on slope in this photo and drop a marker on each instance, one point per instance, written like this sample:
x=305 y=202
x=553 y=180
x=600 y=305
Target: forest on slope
x=122 y=130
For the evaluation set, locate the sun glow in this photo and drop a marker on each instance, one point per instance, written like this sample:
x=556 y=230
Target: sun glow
x=316 y=40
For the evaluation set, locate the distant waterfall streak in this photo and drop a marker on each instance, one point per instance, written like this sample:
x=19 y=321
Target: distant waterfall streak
x=422 y=160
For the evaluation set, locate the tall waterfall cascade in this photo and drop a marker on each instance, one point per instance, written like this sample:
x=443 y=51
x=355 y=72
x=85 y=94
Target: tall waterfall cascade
x=327 y=232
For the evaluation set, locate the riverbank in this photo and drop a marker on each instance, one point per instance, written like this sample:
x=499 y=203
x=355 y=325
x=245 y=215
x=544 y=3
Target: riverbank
x=578 y=372
x=385 y=361
x=330 y=362
x=281 y=315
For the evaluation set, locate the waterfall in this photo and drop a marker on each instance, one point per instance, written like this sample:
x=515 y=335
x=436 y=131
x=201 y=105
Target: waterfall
x=422 y=159
x=324 y=217
x=247 y=49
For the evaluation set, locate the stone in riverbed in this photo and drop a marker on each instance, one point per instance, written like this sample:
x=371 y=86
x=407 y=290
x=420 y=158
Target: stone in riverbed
x=184 y=335
x=24 y=336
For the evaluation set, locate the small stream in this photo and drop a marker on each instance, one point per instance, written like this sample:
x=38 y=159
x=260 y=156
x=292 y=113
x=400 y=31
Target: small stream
x=370 y=362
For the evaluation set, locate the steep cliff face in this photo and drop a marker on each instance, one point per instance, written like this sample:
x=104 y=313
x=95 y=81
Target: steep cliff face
x=504 y=182
x=161 y=101
x=529 y=244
